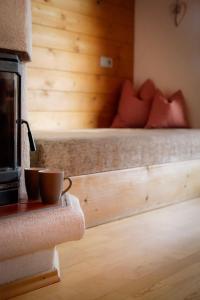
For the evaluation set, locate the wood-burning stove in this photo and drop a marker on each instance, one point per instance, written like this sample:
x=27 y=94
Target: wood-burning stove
x=10 y=128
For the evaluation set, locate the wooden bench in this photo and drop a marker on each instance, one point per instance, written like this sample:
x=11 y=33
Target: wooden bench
x=120 y=172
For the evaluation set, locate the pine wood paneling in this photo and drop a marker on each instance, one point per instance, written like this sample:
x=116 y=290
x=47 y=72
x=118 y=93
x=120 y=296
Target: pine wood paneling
x=60 y=121
x=67 y=87
x=69 y=101
x=122 y=3
x=49 y=37
x=76 y=62
x=103 y=11
x=67 y=20
x=71 y=82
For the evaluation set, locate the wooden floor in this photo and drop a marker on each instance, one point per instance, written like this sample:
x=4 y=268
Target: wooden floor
x=153 y=256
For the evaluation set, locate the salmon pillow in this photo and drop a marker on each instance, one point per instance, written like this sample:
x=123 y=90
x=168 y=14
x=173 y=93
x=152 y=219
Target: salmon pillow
x=168 y=113
x=132 y=111
x=147 y=90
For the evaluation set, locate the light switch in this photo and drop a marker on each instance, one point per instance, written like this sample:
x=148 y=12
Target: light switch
x=106 y=62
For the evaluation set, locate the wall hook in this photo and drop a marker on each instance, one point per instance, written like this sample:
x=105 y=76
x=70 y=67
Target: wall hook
x=179 y=11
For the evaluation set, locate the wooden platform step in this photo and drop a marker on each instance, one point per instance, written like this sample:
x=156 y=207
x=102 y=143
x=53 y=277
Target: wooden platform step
x=113 y=195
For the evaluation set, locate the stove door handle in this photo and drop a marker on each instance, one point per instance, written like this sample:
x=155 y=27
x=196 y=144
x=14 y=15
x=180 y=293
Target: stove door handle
x=30 y=137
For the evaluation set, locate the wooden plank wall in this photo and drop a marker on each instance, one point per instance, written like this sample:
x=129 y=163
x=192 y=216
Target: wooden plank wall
x=67 y=88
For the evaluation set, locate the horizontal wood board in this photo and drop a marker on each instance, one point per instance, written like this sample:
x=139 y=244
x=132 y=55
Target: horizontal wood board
x=116 y=194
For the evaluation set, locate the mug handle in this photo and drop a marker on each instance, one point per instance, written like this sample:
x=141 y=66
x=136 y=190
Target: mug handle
x=69 y=186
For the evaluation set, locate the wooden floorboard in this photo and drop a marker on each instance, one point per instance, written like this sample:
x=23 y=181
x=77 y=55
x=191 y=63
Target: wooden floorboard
x=152 y=256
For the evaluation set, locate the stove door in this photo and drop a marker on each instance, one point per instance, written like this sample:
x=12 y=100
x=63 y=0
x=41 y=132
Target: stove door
x=10 y=127
x=7 y=121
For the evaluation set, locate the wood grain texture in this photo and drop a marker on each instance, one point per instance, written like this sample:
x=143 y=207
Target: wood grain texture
x=103 y=11
x=70 y=82
x=48 y=37
x=112 y=195
x=77 y=62
x=70 y=21
x=54 y=101
x=59 y=121
x=69 y=37
x=152 y=256
x=22 y=286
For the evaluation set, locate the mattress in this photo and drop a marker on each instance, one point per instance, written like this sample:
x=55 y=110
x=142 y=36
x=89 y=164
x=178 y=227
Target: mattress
x=79 y=152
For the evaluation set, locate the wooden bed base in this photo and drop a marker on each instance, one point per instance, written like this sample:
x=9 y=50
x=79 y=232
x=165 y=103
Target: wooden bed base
x=116 y=194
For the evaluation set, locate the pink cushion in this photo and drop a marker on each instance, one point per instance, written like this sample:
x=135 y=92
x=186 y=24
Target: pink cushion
x=147 y=90
x=132 y=111
x=168 y=113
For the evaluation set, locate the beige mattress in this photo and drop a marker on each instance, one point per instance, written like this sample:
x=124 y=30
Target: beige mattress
x=99 y=150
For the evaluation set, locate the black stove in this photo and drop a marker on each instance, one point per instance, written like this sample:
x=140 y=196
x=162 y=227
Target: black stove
x=10 y=128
